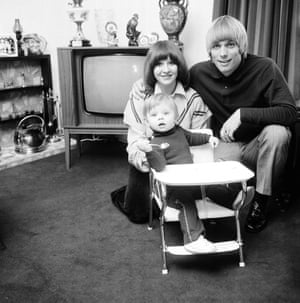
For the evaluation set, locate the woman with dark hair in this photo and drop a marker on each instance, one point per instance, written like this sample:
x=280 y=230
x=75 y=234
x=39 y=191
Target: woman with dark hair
x=166 y=72
x=160 y=51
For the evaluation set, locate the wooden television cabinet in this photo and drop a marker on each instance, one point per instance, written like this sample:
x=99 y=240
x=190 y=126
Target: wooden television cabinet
x=77 y=120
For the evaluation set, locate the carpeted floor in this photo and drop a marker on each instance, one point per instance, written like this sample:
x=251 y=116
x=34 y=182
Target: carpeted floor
x=66 y=242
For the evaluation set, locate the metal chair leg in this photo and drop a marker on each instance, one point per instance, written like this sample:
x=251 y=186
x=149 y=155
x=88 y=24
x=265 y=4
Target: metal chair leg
x=150 y=223
x=163 y=197
x=239 y=239
x=151 y=185
x=238 y=227
x=164 y=247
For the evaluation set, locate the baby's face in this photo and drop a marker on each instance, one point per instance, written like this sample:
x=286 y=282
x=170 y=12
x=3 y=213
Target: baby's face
x=161 y=118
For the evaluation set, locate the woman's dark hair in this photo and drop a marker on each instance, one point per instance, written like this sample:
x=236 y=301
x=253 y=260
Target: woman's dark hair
x=163 y=50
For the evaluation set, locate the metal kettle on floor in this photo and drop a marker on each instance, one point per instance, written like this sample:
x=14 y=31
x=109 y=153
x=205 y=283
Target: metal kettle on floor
x=30 y=135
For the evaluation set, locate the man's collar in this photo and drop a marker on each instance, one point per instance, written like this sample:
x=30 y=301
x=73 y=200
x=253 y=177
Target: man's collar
x=236 y=75
x=215 y=73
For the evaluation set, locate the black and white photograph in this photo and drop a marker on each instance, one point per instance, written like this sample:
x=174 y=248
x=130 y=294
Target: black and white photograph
x=150 y=151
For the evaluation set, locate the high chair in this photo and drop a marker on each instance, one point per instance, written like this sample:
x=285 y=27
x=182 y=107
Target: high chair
x=201 y=173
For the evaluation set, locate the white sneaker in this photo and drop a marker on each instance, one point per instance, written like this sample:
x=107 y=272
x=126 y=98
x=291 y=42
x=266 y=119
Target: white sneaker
x=200 y=246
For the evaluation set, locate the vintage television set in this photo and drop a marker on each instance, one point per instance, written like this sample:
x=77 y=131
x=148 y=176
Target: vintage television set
x=94 y=89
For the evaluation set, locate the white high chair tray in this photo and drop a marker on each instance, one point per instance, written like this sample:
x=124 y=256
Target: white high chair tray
x=204 y=173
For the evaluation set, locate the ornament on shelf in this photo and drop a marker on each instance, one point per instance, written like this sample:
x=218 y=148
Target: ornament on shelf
x=111 y=29
x=33 y=44
x=18 y=29
x=172 y=15
x=131 y=32
x=146 y=40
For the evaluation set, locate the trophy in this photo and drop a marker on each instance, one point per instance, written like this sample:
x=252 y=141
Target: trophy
x=78 y=15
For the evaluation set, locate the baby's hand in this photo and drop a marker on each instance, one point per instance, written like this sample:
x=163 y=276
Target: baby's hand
x=213 y=141
x=144 y=145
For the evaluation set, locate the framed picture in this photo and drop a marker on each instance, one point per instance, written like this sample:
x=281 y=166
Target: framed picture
x=8 y=46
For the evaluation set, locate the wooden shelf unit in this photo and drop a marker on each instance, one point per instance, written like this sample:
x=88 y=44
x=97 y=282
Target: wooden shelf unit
x=18 y=82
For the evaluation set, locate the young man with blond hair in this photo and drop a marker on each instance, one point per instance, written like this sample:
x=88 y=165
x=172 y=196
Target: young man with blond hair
x=252 y=109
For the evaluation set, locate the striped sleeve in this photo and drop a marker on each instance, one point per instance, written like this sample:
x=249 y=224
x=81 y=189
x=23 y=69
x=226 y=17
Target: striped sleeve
x=133 y=112
x=196 y=113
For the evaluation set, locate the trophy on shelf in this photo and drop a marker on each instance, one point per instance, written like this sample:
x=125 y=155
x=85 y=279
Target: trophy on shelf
x=131 y=32
x=78 y=15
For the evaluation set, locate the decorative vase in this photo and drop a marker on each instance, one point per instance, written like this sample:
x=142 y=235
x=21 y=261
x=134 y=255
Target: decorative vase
x=172 y=15
x=77 y=3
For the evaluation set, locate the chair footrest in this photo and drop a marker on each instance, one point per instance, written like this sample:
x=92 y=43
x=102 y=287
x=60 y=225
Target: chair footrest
x=221 y=247
x=227 y=246
x=206 y=210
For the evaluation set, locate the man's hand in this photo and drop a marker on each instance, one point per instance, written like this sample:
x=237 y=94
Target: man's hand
x=230 y=126
x=138 y=90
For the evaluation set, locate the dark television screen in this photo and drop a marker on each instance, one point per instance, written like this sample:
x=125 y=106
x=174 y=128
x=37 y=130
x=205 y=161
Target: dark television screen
x=107 y=81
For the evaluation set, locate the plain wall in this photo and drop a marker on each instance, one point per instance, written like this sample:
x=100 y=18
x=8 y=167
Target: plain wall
x=50 y=20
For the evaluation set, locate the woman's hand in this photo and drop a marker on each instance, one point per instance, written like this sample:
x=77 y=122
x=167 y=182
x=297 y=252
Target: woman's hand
x=138 y=90
x=137 y=156
x=144 y=145
x=138 y=160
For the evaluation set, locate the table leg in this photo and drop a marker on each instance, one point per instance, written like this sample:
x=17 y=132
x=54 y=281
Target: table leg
x=67 y=148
